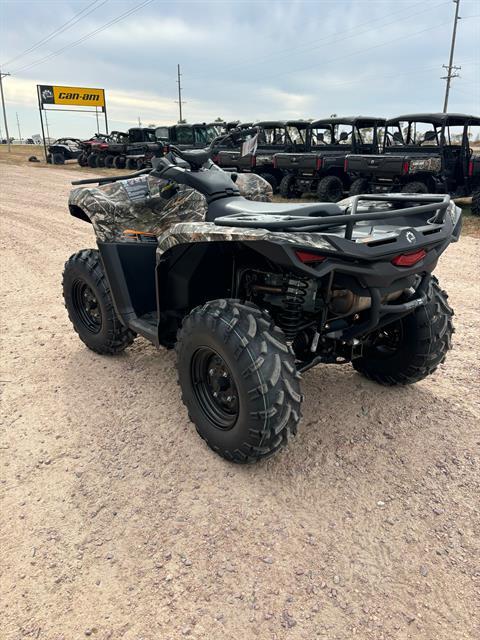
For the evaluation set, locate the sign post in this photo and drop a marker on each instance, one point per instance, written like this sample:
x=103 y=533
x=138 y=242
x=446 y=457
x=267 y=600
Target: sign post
x=68 y=97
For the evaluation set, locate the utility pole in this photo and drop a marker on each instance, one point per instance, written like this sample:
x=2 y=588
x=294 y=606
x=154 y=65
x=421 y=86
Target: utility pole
x=139 y=122
x=18 y=126
x=451 y=68
x=180 y=101
x=2 y=75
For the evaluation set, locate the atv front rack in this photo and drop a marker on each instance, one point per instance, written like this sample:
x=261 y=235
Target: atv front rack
x=436 y=205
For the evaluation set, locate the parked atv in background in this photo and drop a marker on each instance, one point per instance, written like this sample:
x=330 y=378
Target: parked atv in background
x=251 y=294
x=273 y=137
x=320 y=169
x=423 y=153
x=64 y=149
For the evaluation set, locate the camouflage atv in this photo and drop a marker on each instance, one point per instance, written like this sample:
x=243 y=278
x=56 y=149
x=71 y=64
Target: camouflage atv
x=252 y=294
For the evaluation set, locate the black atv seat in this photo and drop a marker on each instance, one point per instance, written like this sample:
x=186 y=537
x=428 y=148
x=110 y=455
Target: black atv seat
x=229 y=206
x=196 y=158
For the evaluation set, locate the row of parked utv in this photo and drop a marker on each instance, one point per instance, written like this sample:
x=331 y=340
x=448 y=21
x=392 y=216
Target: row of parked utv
x=330 y=158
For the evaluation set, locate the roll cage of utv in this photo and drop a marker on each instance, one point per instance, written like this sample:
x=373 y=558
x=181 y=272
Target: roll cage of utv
x=274 y=136
x=426 y=152
x=320 y=168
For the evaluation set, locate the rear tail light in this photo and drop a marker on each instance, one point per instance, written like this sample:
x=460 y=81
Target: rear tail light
x=166 y=148
x=345 y=165
x=318 y=164
x=102 y=145
x=405 y=167
x=409 y=259
x=253 y=161
x=470 y=168
x=275 y=162
x=307 y=257
x=215 y=158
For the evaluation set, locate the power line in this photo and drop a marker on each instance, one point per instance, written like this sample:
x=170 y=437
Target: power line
x=64 y=27
x=333 y=37
x=86 y=36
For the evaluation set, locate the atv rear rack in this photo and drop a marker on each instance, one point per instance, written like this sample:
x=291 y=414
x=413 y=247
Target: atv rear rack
x=434 y=204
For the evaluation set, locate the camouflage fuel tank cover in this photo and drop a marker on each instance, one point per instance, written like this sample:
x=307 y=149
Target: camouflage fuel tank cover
x=150 y=204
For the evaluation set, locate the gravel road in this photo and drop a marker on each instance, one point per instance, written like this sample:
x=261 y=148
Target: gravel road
x=119 y=523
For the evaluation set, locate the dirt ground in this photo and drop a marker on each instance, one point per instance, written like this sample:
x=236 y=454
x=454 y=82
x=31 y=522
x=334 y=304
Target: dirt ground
x=118 y=522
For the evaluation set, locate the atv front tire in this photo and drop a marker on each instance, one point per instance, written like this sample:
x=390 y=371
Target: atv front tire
x=411 y=348
x=476 y=203
x=330 y=189
x=90 y=306
x=415 y=187
x=238 y=380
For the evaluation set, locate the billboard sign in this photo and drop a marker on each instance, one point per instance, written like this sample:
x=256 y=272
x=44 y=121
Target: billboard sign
x=71 y=96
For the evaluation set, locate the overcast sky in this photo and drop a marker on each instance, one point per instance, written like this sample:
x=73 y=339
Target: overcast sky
x=240 y=59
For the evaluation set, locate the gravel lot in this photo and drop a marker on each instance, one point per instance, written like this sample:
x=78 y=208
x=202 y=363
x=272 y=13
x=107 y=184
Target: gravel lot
x=118 y=522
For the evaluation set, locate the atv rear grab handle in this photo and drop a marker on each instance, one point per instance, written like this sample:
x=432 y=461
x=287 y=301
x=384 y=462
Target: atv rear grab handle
x=435 y=204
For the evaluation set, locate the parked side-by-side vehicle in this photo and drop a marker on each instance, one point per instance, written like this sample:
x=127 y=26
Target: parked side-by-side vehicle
x=320 y=169
x=423 y=153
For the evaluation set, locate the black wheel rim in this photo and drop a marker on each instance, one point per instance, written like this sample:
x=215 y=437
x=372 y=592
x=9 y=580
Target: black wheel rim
x=215 y=388
x=86 y=306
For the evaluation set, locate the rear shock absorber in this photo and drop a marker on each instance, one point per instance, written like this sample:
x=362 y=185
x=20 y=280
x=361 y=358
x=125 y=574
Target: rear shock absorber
x=290 y=318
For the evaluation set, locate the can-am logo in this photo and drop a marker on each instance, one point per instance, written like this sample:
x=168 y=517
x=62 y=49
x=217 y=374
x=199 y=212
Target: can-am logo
x=63 y=95
x=410 y=237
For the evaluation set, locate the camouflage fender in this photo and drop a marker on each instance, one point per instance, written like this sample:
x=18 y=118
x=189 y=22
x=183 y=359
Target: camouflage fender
x=151 y=204
x=421 y=165
x=188 y=232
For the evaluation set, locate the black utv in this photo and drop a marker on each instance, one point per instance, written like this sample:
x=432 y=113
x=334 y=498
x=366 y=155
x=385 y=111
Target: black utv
x=273 y=137
x=252 y=294
x=320 y=168
x=64 y=149
x=193 y=136
x=423 y=153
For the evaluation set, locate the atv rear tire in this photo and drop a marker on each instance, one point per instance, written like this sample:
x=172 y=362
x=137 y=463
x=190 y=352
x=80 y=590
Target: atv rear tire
x=92 y=160
x=359 y=186
x=89 y=304
x=238 y=380
x=476 y=203
x=119 y=162
x=411 y=348
x=58 y=158
x=131 y=163
x=330 y=189
x=271 y=179
x=287 y=188
x=415 y=187
x=109 y=161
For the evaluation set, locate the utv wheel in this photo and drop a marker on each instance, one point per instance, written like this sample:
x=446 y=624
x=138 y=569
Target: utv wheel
x=49 y=158
x=82 y=159
x=100 y=161
x=411 y=348
x=90 y=307
x=119 y=162
x=287 y=187
x=271 y=179
x=131 y=163
x=92 y=160
x=140 y=164
x=359 y=186
x=109 y=161
x=238 y=380
x=415 y=187
x=476 y=203
x=58 y=158
x=330 y=189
